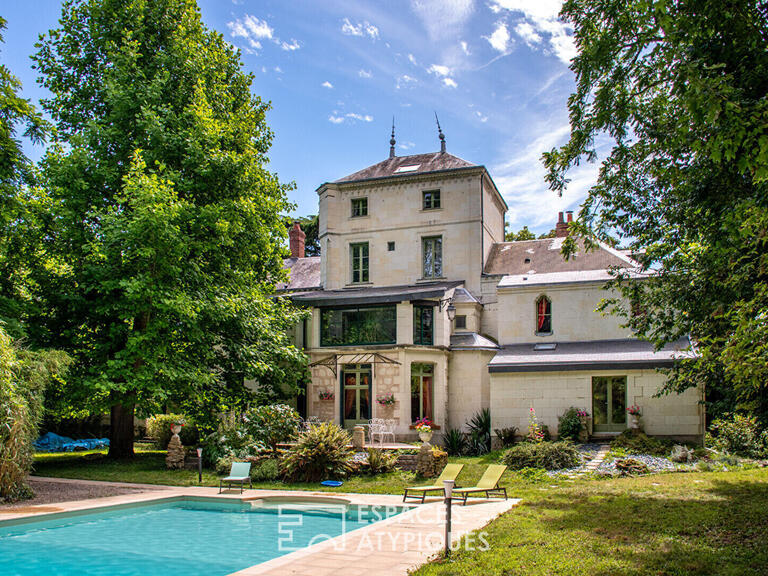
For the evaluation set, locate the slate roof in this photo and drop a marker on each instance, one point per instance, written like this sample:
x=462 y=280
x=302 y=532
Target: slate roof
x=471 y=341
x=463 y=296
x=304 y=274
x=373 y=295
x=425 y=163
x=595 y=355
x=509 y=258
x=555 y=278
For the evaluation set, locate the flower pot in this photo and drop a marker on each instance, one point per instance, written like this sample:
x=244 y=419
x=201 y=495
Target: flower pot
x=176 y=428
x=634 y=421
x=425 y=436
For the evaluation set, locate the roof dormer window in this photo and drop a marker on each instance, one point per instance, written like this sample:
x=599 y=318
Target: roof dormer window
x=410 y=168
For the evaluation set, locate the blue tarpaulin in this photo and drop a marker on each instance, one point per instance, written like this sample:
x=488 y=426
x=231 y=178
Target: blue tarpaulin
x=51 y=442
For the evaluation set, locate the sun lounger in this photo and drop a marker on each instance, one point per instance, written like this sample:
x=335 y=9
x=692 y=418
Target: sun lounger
x=240 y=473
x=450 y=472
x=489 y=484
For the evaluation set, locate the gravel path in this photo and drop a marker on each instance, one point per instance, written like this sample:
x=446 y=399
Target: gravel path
x=51 y=492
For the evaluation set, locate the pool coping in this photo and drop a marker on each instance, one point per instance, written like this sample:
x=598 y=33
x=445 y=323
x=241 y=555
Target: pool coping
x=402 y=542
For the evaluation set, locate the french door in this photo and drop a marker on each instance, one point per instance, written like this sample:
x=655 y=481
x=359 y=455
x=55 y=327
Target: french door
x=355 y=394
x=609 y=403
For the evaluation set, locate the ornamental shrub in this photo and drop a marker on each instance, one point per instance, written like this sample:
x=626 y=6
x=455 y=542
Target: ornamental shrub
x=455 y=441
x=268 y=470
x=738 y=434
x=379 y=461
x=634 y=442
x=546 y=455
x=272 y=424
x=569 y=425
x=159 y=429
x=23 y=377
x=480 y=433
x=321 y=453
x=230 y=439
x=507 y=436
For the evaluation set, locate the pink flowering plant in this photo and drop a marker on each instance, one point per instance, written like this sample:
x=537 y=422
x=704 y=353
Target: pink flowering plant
x=582 y=413
x=423 y=425
x=326 y=395
x=634 y=410
x=535 y=433
x=385 y=399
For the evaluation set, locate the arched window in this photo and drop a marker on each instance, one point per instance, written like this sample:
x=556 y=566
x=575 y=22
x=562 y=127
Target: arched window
x=543 y=315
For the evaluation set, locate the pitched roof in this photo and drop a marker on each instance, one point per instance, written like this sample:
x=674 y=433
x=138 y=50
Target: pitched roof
x=529 y=257
x=595 y=355
x=471 y=341
x=303 y=274
x=409 y=165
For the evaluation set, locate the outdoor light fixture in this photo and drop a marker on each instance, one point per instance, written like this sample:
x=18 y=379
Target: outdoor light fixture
x=448 y=486
x=200 y=465
x=451 y=312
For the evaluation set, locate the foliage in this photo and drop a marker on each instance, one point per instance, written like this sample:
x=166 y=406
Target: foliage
x=272 y=425
x=310 y=226
x=738 y=434
x=423 y=425
x=18 y=118
x=266 y=470
x=631 y=466
x=159 y=429
x=522 y=234
x=635 y=442
x=480 y=433
x=164 y=231
x=569 y=425
x=230 y=439
x=546 y=455
x=507 y=436
x=455 y=441
x=535 y=432
x=23 y=376
x=680 y=88
x=379 y=461
x=320 y=453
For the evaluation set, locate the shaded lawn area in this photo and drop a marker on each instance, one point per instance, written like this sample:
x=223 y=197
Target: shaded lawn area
x=675 y=524
x=671 y=524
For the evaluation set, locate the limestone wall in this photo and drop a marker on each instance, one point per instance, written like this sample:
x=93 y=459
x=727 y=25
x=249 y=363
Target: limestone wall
x=468 y=385
x=552 y=393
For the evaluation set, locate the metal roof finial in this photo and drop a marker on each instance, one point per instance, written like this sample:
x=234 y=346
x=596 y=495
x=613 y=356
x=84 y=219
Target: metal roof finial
x=440 y=134
x=392 y=140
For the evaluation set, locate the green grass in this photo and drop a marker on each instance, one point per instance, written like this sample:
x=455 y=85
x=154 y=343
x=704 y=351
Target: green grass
x=672 y=524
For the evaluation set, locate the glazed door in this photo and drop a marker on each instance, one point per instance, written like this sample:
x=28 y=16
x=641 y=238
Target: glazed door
x=609 y=403
x=355 y=394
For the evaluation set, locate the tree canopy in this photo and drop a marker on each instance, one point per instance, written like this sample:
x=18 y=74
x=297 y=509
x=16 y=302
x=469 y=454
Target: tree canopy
x=163 y=230
x=680 y=90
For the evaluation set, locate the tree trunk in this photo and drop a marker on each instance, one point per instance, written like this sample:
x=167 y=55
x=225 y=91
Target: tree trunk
x=121 y=429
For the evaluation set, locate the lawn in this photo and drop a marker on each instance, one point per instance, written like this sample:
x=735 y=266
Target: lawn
x=680 y=523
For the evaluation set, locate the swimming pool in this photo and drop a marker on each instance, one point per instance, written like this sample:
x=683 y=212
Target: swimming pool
x=205 y=536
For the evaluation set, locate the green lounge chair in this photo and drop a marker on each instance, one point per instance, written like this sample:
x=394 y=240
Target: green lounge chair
x=488 y=483
x=240 y=473
x=450 y=472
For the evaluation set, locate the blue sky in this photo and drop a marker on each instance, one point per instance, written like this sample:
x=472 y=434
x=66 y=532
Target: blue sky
x=495 y=71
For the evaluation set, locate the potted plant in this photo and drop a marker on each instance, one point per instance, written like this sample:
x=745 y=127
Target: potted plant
x=385 y=399
x=424 y=427
x=326 y=395
x=634 y=416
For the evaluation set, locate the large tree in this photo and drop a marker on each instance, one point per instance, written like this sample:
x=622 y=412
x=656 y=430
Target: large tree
x=680 y=90
x=164 y=233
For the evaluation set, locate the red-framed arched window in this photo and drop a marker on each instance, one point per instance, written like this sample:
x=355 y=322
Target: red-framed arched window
x=543 y=315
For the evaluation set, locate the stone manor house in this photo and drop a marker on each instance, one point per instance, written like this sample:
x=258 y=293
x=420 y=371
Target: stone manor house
x=417 y=298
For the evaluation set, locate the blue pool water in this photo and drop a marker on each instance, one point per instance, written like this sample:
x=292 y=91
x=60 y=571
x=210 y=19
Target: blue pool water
x=190 y=537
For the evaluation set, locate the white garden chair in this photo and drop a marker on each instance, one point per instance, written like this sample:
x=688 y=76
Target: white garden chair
x=388 y=430
x=375 y=428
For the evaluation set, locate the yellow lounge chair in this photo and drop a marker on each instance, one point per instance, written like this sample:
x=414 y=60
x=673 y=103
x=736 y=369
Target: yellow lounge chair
x=450 y=472
x=488 y=483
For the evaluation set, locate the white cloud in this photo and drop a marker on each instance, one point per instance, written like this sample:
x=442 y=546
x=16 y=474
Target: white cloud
x=290 y=46
x=412 y=59
x=528 y=33
x=450 y=83
x=406 y=145
x=543 y=18
x=464 y=47
x=365 y=74
x=443 y=19
x=337 y=118
x=439 y=70
x=360 y=29
x=404 y=81
x=326 y=84
x=480 y=116
x=500 y=40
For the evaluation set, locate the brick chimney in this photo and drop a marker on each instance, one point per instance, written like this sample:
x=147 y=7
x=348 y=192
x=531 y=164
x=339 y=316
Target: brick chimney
x=561 y=228
x=296 y=237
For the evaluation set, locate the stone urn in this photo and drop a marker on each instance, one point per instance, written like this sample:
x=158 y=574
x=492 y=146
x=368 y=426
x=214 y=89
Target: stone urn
x=634 y=421
x=174 y=459
x=425 y=437
x=176 y=428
